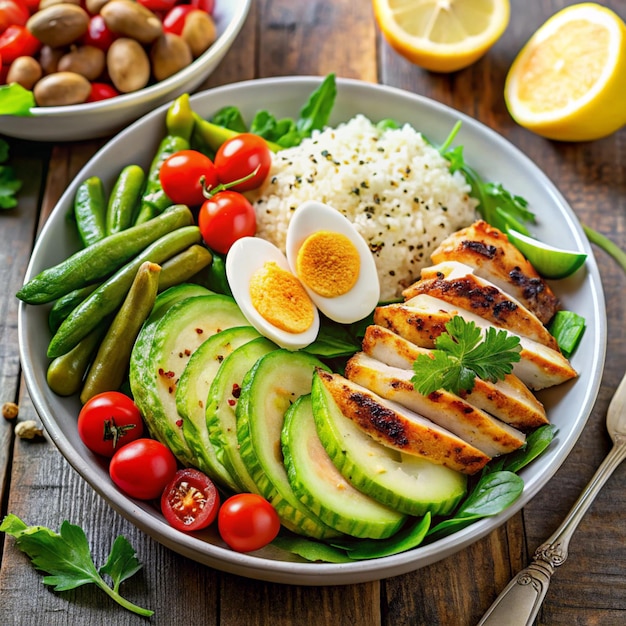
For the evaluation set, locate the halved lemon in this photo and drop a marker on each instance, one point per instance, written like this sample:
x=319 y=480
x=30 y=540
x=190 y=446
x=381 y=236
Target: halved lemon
x=442 y=35
x=549 y=261
x=569 y=81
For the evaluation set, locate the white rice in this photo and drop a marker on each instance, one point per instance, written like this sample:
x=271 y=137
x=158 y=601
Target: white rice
x=392 y=185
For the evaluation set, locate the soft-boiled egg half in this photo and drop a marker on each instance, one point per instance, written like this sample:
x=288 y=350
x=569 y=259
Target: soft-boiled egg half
x=270 y=296
x=328 y=267
x=333 y=262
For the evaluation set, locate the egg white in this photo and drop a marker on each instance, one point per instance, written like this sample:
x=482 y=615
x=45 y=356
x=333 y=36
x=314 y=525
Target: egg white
x=246 y=256
x=312 y=217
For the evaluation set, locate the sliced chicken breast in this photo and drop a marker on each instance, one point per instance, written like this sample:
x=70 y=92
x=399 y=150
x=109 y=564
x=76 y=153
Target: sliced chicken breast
x=457 y=284
x=446 y=409
x=509 y=399
x=495 y=258
x=399 y=428
x=423 y=318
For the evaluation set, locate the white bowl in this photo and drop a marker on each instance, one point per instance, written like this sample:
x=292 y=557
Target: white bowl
x=107 y=117
x=568 y=405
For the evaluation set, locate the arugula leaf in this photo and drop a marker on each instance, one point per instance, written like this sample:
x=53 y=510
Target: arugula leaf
x=15 y=100
x=462 y=354
x=497 y=206
x=67 y=560
x=9 y=183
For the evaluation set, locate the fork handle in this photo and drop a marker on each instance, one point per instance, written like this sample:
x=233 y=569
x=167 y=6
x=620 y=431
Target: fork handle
x=520 y=601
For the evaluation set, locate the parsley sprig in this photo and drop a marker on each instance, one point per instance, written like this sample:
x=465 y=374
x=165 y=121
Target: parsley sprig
x=464 y=353
x=67 y=559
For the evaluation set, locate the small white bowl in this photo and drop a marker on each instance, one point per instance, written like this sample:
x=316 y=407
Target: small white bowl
x=107 y=117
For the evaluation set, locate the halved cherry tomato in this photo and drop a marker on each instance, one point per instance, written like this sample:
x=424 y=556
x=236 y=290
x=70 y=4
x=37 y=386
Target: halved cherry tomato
x=109 y=421
x=239 y=157
x=185 y=175
x=190 y=501
x=143 y=468
x=206 y=5
x=17 y=41
x=174 y=21
x=247 y=521
x=12 y=13
x=98 y=34
x=102 y=91
x=224 y=218
x=158 y=5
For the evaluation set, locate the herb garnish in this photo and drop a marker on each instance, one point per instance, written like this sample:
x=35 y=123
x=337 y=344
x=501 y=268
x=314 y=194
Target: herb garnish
x=464 y=353
x=497 y=206
x=67 y=559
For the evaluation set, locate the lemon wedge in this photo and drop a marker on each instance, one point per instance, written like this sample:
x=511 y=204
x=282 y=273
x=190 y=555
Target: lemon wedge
x=569 y=81
x=442 y=35
x=549 y=261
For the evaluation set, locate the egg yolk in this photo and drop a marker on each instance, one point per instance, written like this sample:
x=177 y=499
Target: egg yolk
x=280 y=299
x=328 y=264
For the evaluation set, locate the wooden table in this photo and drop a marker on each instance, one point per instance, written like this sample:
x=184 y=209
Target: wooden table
x=283 y=37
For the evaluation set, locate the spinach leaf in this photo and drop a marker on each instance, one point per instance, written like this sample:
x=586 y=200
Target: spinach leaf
x=408 y=538
x=230 y=117
x=494 y=492
x=315 y=114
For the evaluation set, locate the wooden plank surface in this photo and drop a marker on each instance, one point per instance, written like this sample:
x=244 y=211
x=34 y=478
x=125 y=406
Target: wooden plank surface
x=282 y=37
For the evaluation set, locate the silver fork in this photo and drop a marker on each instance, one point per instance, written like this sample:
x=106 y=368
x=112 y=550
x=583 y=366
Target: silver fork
x=520 y=601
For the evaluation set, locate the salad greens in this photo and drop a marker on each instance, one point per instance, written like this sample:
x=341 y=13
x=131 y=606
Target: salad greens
x=15 y=100
x=9 y=183
x=67 y=560
x=285 y=132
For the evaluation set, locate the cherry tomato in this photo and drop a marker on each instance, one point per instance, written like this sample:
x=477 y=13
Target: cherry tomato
x=109 y=421
x=247 y=522
x=205 y=5
x=239 y=157
x=157 y=5
x=17 y=41
x=143 y=468
x=12 y=13
x=185 y=175
x=174 y=21
x=98 y=34
x=102 y=91
x=224 y=218
x=190 y=501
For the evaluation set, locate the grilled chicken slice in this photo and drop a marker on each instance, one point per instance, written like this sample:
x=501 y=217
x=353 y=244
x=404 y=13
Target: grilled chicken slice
x=423 y=318
x=446 y=409
x=399 y=428
x=457 y=284
x=495 y=258
x=509 y=399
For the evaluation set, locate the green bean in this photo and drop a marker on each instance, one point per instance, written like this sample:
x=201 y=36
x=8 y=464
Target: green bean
x=102 y=258
x=107 y=297
x=66 y=304
x=90 y=210
x=124 y=199
x=183 y=266
x=154 y=200
x=111 y=361
x=66 y=373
